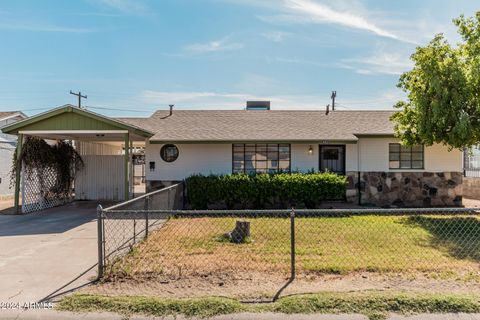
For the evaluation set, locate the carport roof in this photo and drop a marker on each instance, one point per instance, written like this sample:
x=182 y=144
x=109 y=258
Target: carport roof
x=70 y=122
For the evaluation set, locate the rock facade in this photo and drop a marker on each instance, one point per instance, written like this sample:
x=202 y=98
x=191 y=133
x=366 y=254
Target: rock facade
x=406 y=189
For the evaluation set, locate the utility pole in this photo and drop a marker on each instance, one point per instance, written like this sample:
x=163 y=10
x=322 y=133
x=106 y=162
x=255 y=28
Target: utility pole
x=334 y=95
x=79 y=95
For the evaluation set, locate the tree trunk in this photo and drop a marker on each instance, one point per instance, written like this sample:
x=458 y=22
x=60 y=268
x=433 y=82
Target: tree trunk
x=241 y=231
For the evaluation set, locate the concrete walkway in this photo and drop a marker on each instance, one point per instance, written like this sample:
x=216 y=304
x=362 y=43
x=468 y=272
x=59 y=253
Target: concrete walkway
x=41 y=253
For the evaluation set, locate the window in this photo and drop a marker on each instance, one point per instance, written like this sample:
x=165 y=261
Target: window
x=260 y=158
x=169 y=153
x=404 y=157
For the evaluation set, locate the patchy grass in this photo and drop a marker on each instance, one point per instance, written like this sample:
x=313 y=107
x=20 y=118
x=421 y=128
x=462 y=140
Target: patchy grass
x=129 y=305
x=375 y=304
x=439 y=245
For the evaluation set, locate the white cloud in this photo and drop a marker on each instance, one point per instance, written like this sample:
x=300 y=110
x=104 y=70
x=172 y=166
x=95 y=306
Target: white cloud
x=125 y=6
x=301 y=61
x=320 y=13
x=277 y=36
x=350 y=14
x=383 y=100
x=381 y=62
x=42 y=28
x=237 y=100
x=223 y=44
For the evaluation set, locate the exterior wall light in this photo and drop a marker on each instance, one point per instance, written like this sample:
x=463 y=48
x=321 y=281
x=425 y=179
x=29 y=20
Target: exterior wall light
x=310 y=150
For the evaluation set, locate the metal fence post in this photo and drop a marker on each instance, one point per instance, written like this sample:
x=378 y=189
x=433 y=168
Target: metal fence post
x=168 y=199
x=184 y=194
x=147 y=207
x=292 y=244
x=134 y=231
x=100 y=241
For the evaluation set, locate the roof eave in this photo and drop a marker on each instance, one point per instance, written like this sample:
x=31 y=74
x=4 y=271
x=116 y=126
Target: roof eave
x=15 y=127
x=231 y=141
x=374 y=135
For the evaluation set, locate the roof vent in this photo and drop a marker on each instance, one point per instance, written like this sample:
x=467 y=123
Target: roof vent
x=258 y=105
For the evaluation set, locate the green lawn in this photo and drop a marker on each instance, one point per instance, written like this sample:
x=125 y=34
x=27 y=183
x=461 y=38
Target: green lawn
x=427 y=244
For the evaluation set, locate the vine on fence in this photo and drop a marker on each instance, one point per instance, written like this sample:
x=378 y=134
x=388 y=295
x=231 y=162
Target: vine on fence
x=38 y=156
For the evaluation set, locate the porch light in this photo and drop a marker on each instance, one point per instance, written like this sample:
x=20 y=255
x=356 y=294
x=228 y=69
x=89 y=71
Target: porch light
x=310 y=150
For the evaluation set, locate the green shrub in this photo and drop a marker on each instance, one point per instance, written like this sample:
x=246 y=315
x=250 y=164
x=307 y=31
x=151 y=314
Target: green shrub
x=264 y=190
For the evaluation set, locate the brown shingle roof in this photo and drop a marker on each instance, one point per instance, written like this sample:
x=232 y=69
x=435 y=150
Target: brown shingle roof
x=255 y=125
x=4 y=114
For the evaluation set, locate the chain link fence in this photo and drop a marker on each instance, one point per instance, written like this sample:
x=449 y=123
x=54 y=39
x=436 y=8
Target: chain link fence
x=162 y=245
x=121 y=227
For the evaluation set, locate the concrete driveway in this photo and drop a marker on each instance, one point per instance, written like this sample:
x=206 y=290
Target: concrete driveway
x=41 y=253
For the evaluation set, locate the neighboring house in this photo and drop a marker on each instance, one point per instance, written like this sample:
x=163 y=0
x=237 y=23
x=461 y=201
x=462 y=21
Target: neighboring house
x=471 y=171
x=358 y=144
x=8 y=143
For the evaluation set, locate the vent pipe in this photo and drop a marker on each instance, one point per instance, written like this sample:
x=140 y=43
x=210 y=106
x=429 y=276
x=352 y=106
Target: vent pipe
x=327 y=111
x=171 y=108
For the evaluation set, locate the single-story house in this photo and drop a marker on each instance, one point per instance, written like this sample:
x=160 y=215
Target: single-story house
x=8 y=144
x=179 y=143
x=358 y=144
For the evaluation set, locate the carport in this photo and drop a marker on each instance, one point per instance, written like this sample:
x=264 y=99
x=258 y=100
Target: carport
x=104 y=143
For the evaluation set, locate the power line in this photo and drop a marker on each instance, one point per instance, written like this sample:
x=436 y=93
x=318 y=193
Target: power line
x=119 y=109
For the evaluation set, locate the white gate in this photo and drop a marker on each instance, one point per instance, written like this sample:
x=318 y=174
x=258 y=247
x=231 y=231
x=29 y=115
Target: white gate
x=102 y=178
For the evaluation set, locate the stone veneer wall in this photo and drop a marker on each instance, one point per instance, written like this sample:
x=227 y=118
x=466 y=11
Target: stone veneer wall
x=406 y=189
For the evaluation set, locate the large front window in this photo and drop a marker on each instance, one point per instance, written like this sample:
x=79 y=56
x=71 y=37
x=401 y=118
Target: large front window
x=405 y=157
x=261 y=158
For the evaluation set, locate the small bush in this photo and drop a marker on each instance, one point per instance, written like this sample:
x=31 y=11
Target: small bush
x=264 y=190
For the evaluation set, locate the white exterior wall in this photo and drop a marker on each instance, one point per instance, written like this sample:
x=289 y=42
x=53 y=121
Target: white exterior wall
x=192 y=159
x=217 y=159
x=301 y=160
x=437 y=158
x=8 y=144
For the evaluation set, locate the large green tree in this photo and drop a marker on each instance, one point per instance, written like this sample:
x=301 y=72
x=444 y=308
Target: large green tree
x=443 y=104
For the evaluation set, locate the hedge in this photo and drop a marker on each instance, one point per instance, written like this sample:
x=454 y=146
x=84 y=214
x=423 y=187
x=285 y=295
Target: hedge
x=262 y=191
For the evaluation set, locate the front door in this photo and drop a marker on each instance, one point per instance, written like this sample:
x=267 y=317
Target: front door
x=332 y=158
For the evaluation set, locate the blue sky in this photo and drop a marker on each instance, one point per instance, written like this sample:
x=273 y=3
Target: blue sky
x=139 y=56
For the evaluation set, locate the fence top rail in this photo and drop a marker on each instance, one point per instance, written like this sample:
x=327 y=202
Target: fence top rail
x=118 y=205
x=305 y=212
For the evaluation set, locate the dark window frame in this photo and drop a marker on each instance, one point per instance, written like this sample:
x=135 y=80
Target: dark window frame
x=162 y=151
x=411 y=160
x=277 y=170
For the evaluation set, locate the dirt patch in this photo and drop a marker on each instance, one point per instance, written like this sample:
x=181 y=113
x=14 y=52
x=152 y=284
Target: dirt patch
x=265 y=286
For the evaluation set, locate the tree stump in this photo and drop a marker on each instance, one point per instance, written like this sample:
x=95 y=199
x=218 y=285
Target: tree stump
x=240 y=233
